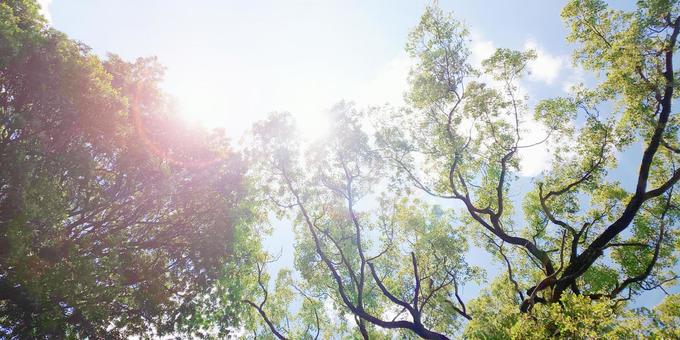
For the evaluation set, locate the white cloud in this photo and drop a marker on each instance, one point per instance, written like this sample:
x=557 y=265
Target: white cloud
x=546 y=67
x=350 y=320
x=576 y=76
x=329 y=310
x=480 y=49
x=388 y=85
x=44 y=9
x=535 y=159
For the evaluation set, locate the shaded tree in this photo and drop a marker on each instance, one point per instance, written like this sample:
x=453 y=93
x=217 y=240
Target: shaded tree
x=115 y=217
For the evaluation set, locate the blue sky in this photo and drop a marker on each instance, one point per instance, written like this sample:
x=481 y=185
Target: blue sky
x=230 y=63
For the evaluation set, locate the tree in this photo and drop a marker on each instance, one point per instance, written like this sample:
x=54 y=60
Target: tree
x=398 y=266
x=586 y=244
x=115 y=218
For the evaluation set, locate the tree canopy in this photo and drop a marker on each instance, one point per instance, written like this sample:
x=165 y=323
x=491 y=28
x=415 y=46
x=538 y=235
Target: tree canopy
x=118 y=219
x=114 y=216
x=586 y=245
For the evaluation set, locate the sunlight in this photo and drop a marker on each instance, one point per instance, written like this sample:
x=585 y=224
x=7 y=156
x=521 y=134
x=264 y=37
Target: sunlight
x=312 y=122
x=223 y=102
x=313 y=126
x=339 y=170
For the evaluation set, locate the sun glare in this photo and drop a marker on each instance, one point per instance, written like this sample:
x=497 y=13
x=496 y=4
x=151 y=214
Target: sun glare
x=235 y=116
x=313 y=126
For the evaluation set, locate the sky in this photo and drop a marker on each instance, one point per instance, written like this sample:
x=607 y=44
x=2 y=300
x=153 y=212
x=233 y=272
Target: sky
x=230 y=63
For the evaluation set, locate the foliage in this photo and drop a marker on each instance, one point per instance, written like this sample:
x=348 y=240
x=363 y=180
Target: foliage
x=114 y=216
x=587 y=244
x=117 y=219
x=397 y=266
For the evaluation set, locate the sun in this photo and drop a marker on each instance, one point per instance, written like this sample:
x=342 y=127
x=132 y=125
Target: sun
x=236 y=114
